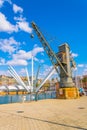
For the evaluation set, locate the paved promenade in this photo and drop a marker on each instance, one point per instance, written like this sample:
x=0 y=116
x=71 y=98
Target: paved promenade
x=50 y=114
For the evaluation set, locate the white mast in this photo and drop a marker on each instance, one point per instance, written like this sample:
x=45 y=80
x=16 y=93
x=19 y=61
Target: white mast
x=45 y=79
x=32 y=71
x=17 y=77
x=28 y=77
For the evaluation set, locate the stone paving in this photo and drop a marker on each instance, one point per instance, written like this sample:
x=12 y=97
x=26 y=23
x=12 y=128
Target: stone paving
x=50 y=114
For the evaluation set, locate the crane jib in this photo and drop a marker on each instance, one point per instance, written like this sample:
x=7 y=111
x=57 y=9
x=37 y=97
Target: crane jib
x=52 y=56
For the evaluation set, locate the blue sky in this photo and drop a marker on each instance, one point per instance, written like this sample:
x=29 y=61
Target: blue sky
x=61 y=20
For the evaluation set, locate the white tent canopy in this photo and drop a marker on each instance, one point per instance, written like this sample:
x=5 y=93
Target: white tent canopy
x=20 y=87
x=3 y=88
x=12 y=88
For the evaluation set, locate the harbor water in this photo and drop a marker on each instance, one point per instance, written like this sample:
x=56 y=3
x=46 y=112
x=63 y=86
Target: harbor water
x=29 y=97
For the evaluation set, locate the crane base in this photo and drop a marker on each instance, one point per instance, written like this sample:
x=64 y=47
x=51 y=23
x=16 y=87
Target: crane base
x=68 y=93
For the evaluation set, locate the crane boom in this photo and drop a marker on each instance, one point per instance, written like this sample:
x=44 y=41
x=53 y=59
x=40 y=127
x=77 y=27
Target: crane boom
x=54 y=59
x=63 y=60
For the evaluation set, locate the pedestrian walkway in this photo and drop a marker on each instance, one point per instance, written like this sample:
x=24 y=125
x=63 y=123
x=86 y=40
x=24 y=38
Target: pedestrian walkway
x=49 y=114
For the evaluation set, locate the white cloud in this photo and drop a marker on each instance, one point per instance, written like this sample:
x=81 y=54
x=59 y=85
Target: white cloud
x=41 y=61
x=24 y=26
x=21 y=56
x=46 y=69
x=85 y=71
x=20 y=18
x=37 y=50
x=75 y=69
x=2 y=61
x=22 y=72
x=5 y=25
x=2 y=72
x=2 y=2
x=9 y=45
x=35 y=59
x=81 y=65
x=21 y=24
x=74 y=55
x=38 y=60
x=17 y=9
x=17 y=62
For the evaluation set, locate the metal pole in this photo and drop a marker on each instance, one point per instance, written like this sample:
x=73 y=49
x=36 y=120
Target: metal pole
x=18 y=77
x=28 y=77
x=32 y=71
x=45 y=79
x=77 y=78
x=14 y=76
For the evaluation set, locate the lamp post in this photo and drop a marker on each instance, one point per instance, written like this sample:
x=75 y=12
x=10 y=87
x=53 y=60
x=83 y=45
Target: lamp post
x=76 y=77
x=81 y=84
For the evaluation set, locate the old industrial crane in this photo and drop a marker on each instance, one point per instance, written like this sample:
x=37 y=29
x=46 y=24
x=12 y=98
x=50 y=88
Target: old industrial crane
x=63 y=60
